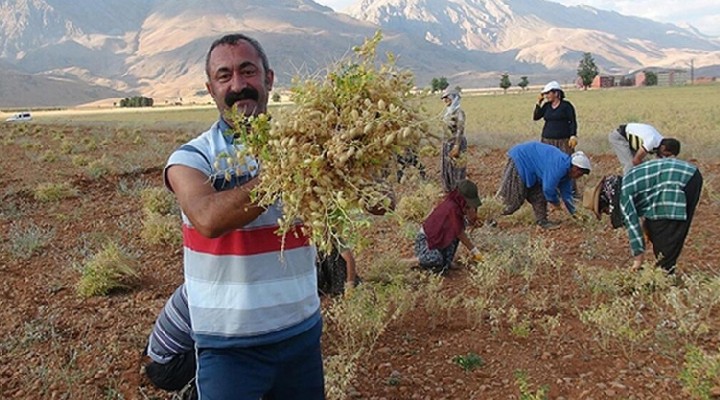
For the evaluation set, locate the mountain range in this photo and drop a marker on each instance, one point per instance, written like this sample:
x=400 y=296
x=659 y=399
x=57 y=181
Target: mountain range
x=63 y=53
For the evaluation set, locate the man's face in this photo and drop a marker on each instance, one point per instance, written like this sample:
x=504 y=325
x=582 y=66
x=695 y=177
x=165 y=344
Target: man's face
x=237 y=77
x=575 y=172
x=664 y=153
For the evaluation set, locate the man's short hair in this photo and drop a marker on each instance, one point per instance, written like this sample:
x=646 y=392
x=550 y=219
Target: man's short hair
x=233 y=39
x=671 y=145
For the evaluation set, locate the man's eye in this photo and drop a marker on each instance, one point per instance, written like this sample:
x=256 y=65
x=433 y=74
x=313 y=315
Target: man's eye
x=249 y=72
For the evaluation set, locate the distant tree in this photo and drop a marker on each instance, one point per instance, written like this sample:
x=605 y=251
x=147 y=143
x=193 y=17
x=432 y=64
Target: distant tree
x=458 y=89
x=651 y=78
x=276 y=97
x=505 y=82
x=137 y=101
x=523 y=82
x=439 y=84
x=587 y=70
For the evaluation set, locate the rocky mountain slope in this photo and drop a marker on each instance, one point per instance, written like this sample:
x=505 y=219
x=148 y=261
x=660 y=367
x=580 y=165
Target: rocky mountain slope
x=57 y=52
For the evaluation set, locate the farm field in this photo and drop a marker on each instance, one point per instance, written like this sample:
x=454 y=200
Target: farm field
x=546 y=314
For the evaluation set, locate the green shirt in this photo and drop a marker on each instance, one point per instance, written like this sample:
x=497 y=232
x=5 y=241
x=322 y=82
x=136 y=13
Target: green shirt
x=654 y=190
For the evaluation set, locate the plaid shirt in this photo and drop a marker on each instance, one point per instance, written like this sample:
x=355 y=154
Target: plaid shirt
x=654 y=190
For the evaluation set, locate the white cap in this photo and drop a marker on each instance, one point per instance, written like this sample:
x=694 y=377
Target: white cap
x=449 y=93
x=580 y=160
x=553 y=85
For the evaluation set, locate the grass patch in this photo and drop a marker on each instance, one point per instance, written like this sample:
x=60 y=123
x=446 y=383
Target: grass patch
x=110 y=269
x=27 y=241
x=49 y=192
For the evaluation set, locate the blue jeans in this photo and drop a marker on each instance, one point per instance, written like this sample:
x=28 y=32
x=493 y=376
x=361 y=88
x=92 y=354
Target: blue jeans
x=291 y=369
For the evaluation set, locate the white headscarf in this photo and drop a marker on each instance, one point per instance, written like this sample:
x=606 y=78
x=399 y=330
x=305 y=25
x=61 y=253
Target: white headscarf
x=454 y=97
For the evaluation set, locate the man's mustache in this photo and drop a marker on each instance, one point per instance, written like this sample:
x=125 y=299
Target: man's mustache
x=247 y=93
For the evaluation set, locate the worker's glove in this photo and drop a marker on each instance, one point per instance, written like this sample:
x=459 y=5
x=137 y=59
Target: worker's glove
x=572 y=142
x=476 y=254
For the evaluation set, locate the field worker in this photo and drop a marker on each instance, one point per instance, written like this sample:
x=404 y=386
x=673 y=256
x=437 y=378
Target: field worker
x=337 y=271
x=452 y=168
x=535 y=172
x=632 y=142
x=437 y=241
x=665 y=192
x=560 y=128
x=171 y=348
x=254 y=311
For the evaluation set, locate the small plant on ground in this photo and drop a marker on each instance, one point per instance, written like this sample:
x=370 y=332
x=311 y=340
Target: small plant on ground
x=98 y=168
x=47 y=192
x=159 y=201
x=469 y=361
x=700 y=375
x=25 y=242
x=158 y=229
x=620 y=321
x=110 y=269
x=526 y=391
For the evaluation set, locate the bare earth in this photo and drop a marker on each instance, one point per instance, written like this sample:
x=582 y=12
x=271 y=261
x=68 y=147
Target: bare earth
x=56 y=345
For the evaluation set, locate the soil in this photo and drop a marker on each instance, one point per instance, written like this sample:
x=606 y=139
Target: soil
x=56 y=345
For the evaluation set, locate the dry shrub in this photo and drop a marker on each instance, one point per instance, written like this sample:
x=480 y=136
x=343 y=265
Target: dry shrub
x=327 y=157
x=619 y=321
x=416 y=206
x=47 y=192
x=700 y=375
x=159 y=229
x=110 y=269
x=491 y=208
x=157 y=200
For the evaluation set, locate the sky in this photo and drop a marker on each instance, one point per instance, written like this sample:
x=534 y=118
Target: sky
x=702 y=14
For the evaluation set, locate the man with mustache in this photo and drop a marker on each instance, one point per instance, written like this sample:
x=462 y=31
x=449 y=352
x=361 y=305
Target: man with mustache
x=255 y=314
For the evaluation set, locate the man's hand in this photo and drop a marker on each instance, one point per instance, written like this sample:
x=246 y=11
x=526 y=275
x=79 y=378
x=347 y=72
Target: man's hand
x=476 y=254
x=572 y=142
x=637 y=263
x=455 y=151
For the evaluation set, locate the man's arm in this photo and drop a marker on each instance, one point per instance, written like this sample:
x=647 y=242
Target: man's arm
x=566 y=190
x=212 y=213
x=639 y=156
x=632 y=223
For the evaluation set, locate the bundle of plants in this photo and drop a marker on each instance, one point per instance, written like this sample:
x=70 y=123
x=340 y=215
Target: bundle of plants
x=328 y=157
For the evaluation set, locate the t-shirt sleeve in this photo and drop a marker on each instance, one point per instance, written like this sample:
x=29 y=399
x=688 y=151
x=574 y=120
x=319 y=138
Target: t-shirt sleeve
x=189 y=156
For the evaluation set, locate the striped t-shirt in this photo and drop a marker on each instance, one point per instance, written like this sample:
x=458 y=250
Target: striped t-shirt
x=171 y=333
x=242 y=289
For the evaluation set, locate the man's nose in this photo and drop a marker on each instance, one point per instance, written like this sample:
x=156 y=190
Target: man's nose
x=238 y=82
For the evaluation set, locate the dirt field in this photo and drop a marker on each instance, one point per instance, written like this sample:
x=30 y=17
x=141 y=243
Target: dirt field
x=56 y=345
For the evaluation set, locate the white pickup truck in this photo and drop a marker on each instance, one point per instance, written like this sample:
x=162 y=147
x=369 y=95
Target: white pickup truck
x=18 y=117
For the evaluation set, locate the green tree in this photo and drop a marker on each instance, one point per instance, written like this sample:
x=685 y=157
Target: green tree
x=523 y=82
x=505 y=82
x=651 y=78
x=587 y=70
x=439 y=84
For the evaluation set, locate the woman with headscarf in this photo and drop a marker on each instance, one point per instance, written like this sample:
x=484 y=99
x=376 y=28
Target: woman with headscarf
x=560 y=128
x=453 y=167
x=444 y=229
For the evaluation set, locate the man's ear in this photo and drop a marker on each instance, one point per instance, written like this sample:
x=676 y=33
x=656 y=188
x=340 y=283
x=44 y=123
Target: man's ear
x=269 y=79
x=209 y=89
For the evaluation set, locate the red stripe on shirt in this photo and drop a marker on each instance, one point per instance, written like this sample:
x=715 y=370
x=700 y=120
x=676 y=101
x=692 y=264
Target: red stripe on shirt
x=244 y=242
